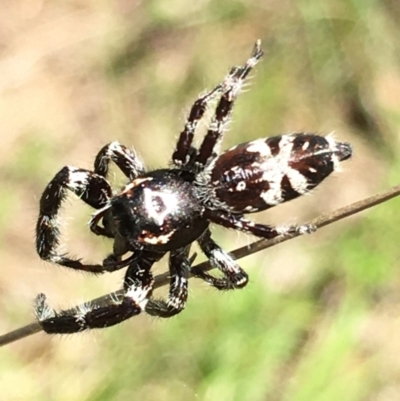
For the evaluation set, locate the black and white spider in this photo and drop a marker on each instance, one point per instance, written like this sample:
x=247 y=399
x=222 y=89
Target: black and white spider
x=166 y=210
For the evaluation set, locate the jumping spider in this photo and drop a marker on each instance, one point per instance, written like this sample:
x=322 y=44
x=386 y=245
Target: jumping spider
x=166 y=210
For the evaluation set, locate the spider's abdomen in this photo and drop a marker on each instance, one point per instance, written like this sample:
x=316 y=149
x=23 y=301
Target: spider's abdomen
x=158 y=211
x=257 y=175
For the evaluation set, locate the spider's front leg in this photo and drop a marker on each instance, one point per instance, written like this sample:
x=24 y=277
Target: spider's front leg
x=233 y=275
x=90 y=187
x=179 y=268
x=138 y=286
x=229 y=88
x=181 y=153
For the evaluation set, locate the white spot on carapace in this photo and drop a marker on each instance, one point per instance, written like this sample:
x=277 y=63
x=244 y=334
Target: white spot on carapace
x=159 y=239
x=159 y=204
x=305 y=145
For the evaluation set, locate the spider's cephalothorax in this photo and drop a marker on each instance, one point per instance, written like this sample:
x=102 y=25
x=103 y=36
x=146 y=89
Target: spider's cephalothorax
x=166 y=210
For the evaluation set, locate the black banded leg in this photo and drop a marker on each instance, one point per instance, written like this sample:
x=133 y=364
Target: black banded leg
x=86 y=317
x=179 y=268
x=124 y=158
x=92 y=316
x=233 y=275
x=92 y=188
x=181 y=154
x=238 y=222
x=232 y=86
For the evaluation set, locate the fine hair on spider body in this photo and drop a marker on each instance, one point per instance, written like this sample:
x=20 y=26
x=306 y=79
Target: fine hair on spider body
x=164 y=211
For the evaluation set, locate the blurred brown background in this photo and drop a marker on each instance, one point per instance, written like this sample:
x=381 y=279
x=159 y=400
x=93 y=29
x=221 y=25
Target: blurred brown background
x=320 y=318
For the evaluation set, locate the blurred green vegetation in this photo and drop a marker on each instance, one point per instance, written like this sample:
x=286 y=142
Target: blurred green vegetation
x=320 y=318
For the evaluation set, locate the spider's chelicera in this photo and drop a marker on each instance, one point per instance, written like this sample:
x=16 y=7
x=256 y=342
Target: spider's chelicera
x=165 y=211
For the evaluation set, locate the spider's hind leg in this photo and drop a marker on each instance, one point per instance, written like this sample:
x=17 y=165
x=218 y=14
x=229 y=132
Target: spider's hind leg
x=238 y=222
x=233 y=275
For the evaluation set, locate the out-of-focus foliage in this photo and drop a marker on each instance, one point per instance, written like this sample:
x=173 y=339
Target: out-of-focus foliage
x=320 y=318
